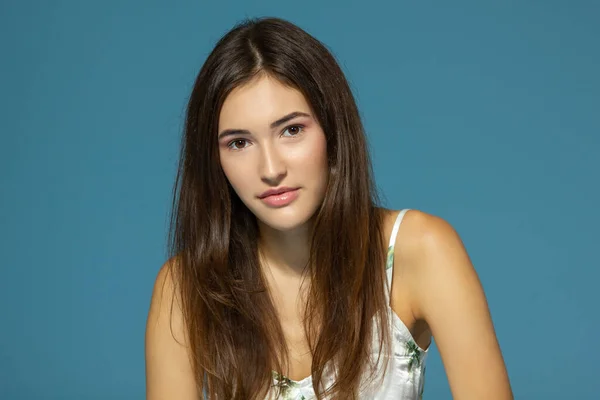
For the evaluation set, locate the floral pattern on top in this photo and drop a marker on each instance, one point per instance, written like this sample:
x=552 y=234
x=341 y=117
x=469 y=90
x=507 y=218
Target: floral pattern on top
x=289 y=388
x=389 y=263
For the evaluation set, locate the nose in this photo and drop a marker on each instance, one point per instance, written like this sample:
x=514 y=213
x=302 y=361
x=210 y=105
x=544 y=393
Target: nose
x=272 y=166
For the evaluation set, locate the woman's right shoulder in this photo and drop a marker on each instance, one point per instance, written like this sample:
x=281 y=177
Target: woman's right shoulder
x=165 y=302
x=165 y=282
x=169 y=372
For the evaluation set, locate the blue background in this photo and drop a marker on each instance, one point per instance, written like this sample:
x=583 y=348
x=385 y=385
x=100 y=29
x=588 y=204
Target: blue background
x=484 y=113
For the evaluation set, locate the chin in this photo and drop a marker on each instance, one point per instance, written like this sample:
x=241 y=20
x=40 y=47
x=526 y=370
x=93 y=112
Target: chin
x=284 y=219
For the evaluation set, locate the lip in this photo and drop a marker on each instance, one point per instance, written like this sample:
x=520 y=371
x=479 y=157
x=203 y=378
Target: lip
x=280 y=198
x=275 y=191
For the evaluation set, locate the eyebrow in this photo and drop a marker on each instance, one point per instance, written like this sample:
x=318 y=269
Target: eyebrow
x=275 y=124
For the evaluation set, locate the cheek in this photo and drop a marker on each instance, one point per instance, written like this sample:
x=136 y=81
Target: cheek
x=320 y=153
x=312 y=159
x=233 y=173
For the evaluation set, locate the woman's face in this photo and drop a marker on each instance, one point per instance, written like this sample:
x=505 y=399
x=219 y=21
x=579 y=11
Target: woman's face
x=270 y=139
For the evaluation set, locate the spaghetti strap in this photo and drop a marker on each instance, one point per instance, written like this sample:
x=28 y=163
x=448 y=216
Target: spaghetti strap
x=396 y=227
x=389 y=265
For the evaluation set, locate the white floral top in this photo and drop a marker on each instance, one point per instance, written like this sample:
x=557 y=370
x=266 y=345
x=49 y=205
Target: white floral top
x=405 y=376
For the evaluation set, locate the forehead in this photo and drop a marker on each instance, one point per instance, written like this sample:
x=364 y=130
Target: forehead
x=260 y=102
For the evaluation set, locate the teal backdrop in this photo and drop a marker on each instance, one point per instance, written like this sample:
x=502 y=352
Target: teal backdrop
x=484 y=113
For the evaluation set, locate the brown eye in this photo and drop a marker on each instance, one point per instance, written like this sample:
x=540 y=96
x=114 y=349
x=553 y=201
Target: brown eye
x=237 y=144
x=293 y=130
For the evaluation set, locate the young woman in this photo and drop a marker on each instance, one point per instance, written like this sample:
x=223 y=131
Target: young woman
x=287 y=280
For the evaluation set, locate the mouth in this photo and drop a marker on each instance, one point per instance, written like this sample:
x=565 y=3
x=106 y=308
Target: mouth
x=276 y=192
x=279 y=198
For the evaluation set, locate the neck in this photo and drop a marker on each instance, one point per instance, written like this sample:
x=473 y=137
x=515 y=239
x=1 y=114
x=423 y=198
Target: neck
x=285 y=252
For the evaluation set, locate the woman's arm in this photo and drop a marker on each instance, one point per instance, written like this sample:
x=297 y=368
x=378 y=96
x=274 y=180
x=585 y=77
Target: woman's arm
x=447 y=294
x=168 y=369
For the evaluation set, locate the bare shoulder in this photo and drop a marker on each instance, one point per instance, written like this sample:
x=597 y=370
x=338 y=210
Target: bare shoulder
x=429 y=254
x=165 y=303
x=421 y=233
x=420 y=236
x=440 y=283
x=168 y=368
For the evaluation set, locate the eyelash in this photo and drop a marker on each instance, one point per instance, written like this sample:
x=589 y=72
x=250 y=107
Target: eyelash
x=300 y=126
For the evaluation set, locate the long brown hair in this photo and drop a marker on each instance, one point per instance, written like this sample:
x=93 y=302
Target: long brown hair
x=234 y=335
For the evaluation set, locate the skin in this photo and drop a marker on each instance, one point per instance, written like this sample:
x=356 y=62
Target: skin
x=292 y=154
x=435 y=289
